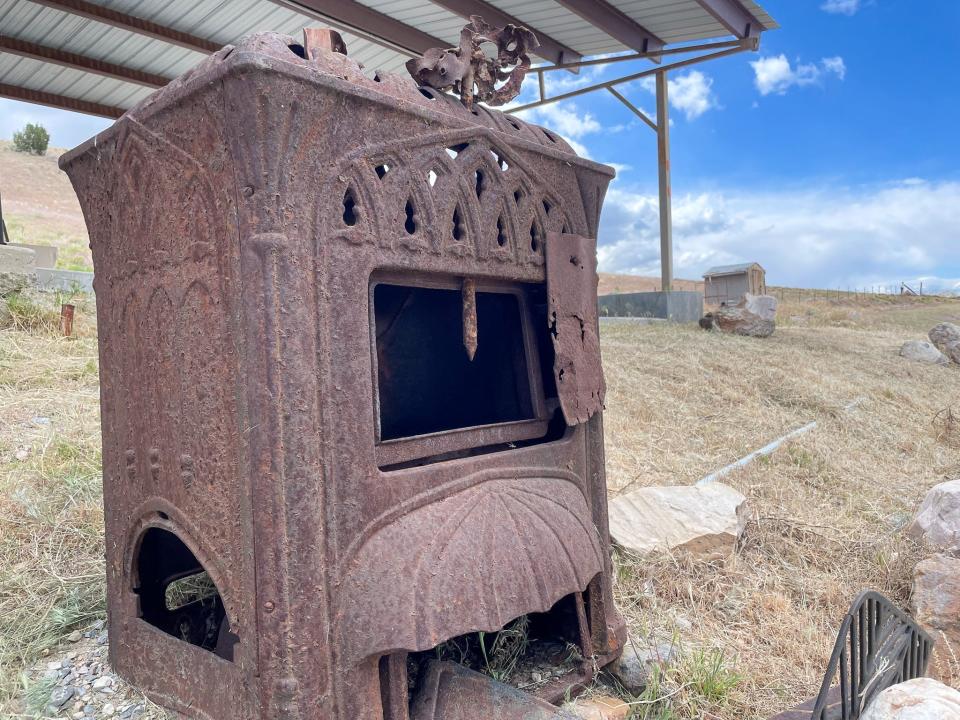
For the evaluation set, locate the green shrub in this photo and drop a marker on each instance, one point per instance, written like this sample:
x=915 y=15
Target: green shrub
x=32 y=139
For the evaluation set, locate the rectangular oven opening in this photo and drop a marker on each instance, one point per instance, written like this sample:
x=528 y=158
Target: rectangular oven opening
x=427 y=382
x=462 y=368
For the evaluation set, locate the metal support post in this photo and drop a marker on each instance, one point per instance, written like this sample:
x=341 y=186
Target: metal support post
x=663 y=166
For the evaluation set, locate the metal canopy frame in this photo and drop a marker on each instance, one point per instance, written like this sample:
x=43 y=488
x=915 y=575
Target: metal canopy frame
x=355 y=17
x=748 y=41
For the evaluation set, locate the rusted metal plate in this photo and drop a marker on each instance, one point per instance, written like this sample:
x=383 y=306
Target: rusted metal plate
x=452 y=692
x=572 y=318
x=237 y=219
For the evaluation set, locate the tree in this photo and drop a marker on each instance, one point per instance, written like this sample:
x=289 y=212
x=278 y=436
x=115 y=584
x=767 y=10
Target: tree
x=32 y=139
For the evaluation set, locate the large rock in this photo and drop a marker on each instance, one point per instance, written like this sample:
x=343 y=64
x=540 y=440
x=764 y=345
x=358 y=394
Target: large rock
x=17 y=270
x=946 y=336
x=920 y=699
x=599 y=707
x=704 y=520
x=754 y=315
x=923 y=352
x=936 y=606
x=937 y=522
x=639 y=661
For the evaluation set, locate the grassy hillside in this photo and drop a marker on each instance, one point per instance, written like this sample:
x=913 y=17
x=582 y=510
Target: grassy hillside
x=40 y=207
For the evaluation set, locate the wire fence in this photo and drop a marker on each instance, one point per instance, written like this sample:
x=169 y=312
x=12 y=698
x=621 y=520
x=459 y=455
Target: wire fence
x=849 y=293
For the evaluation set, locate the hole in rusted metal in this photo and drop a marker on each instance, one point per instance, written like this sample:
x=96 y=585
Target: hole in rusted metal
x=550 y=137
x=382 y=170
x=547 y=207
x=458 y=230
x=177 y=595
x=426 y=93
x=479 y=181
x=298 y=50
x=517 y=196
x=501 y=237
x=536 y=236
x=455 y=150
x=432 y=178
x=349 y=208
x=410 y=224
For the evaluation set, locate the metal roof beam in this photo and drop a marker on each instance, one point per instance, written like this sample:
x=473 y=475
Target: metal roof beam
x=615 y=23
x=59 y=101
x=131 y=23
x=359 y=19
x=15 y=46
x=550 y=49
x=739 y=21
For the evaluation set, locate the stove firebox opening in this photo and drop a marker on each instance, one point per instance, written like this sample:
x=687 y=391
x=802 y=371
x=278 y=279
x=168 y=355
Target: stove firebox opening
x=548 y=655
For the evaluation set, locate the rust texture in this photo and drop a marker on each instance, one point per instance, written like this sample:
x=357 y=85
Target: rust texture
x=66 y=319
x=251 y=224
x=572 y=316
x=467 y=69
x=469 y=293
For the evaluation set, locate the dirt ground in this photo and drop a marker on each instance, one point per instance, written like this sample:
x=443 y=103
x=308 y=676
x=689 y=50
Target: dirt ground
x=755 y=630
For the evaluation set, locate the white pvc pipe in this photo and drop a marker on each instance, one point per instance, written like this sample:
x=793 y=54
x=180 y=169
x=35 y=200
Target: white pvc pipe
x=766 y=449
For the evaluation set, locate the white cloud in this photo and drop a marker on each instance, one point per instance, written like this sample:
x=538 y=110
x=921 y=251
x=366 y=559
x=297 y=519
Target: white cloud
x=823 y=237
x=776 y=75
x=691 y=94
x=565 y=119
x=836 y=66
x=841 y=7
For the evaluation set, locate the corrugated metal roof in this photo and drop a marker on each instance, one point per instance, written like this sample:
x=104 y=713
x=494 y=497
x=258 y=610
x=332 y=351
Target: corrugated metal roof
x=225 y=21
x=731 y=269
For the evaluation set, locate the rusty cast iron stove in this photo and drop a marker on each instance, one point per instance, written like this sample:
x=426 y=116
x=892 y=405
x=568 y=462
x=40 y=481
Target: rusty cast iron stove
x=351 y=390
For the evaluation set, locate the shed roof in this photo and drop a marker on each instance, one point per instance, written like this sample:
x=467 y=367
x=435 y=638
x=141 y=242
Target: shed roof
x=103 y=57
x=731 y=269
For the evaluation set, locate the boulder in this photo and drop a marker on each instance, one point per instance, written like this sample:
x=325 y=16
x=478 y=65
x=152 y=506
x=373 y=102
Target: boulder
x=599 y=707
x=754 y=315
x=946 y=336
x=936 y=606
x=704 y=520
x=635 y=666
x=920 y=699
x=14 y=282
x=937 y=522
x=923 y=352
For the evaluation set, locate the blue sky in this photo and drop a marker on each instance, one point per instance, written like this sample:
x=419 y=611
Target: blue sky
x=831 y=156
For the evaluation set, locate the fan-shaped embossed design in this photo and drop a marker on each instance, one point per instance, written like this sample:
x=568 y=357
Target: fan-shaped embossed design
x=501 y=549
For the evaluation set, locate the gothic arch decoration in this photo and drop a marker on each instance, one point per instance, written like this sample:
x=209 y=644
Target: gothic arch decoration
x=406 y=204
x=351 y=210
x=434 y=179
x=157 y=234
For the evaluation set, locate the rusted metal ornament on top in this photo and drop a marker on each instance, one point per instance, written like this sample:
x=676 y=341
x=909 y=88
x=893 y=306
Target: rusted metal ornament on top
x=469 y=72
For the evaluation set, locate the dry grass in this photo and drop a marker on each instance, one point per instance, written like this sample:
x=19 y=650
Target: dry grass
x=51 y=521
x=827 y=508
x=755 y=629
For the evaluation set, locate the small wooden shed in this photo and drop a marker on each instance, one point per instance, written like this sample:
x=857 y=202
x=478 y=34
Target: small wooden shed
x=726 y=284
